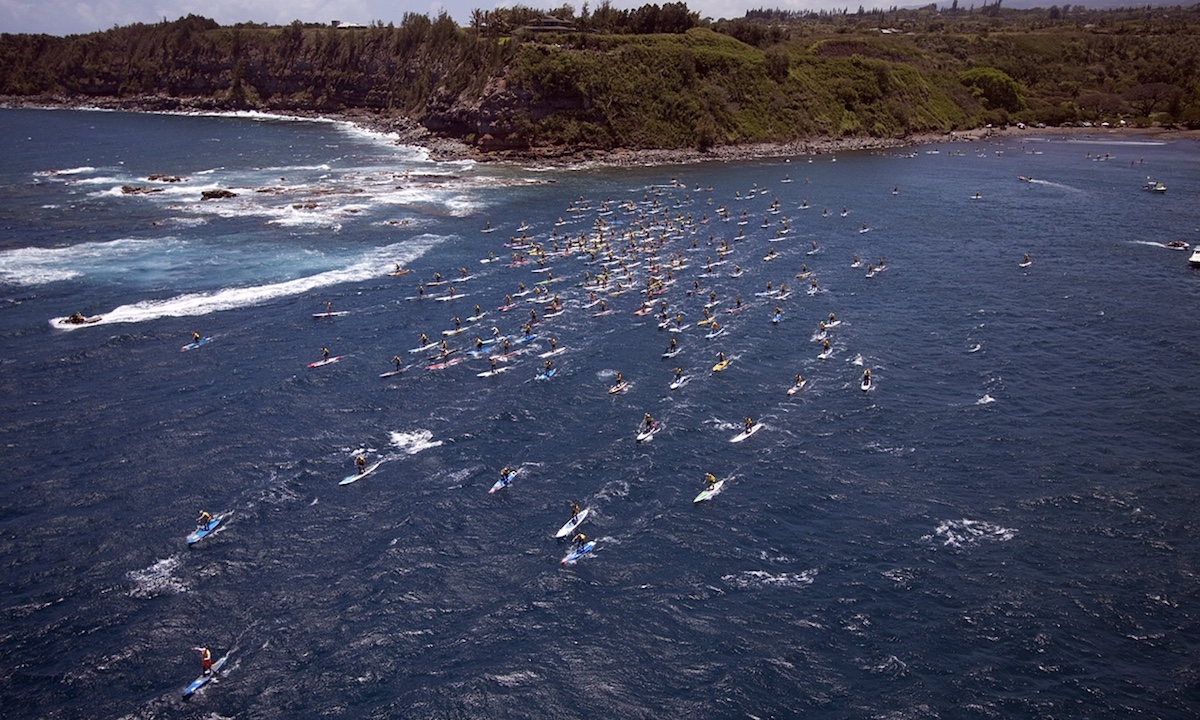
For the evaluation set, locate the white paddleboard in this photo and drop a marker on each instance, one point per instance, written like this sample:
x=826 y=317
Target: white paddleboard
x=745 y=434
x=644 y=435
x=360 y=475
x=573 y=523
x=709 y=492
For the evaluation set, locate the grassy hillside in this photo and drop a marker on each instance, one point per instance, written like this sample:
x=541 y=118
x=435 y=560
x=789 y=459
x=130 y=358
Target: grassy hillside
x=652 y=77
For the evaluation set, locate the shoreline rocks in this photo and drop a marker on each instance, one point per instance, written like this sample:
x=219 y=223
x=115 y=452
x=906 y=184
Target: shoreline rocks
x=407 y=131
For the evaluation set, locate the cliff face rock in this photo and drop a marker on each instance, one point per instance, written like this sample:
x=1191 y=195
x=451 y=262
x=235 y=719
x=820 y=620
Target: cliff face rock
x=491 y=117
x=500 y=117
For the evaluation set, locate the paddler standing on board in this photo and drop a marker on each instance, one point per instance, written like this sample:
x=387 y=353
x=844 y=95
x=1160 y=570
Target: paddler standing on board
x=749 y=423
x=396 y=359
x=205 y=659
x=204 y=519
x=360 y=463
x=324 y=353
x=580 y=540
x=574 y=510
x=710 y=479
x=195 y=336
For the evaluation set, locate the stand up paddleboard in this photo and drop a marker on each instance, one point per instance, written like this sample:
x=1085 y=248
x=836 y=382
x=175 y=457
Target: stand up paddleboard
x=573 y=523
x=745 y=434
x=393 y=373
x=326 y=361
x=683 y=380
x=618 y=388
x=445 y=363
x=709 y=492
x=578 y=553
x=503 y=482
x=335 y=313
x=546 y=375
x=204 y=679
x=720 y=366
x=360 y=475
x=647 y=433
x=202 y=532
x=797 y=387
x=196 y=344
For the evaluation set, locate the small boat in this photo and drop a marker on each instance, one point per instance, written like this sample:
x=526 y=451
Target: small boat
x=1177 y=245
x=1194 y=260
x=1154 y=186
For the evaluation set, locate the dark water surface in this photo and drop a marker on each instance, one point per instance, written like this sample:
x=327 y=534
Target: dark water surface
x=1003 y=526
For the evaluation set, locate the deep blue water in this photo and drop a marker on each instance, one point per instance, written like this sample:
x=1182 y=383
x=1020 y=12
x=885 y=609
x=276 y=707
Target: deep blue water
x=1003 y=526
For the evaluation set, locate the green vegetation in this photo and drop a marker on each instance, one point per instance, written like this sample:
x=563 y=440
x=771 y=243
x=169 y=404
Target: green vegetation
x=656 y=76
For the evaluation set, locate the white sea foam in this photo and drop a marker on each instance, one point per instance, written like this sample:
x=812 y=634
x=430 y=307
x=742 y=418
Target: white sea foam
x=516 y=679
x=158 y=579
x=1061 y=186
x=959 y=533
x=985 y=400
x=192 y=304
x=67 y=171
x=415 y=441
x=39 y=266
x=1089 y=141
x=748 y=579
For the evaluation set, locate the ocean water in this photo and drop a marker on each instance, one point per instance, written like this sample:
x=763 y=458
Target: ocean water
x=1002 y=526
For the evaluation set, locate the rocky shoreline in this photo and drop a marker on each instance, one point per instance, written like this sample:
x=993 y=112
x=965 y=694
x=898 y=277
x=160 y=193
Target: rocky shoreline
x=407 y=131
x=448 y=149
